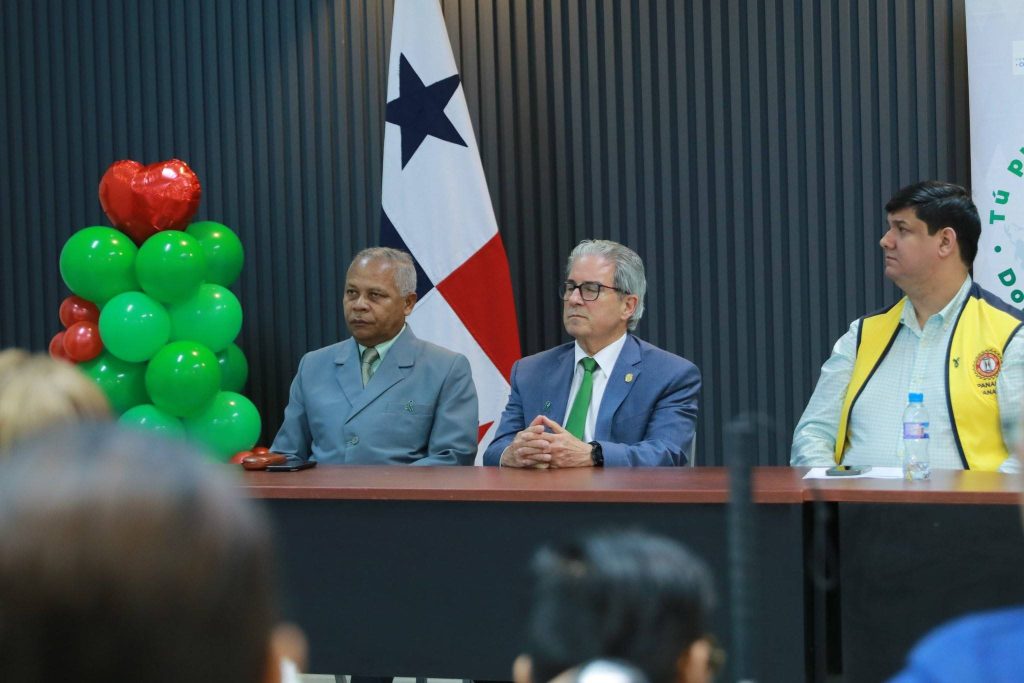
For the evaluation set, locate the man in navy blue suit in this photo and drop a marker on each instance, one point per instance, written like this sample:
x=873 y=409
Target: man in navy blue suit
x=609 y=398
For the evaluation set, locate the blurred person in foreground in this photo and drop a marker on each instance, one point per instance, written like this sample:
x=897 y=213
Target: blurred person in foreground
x=987 y=647
x=124 y=557
x=38 y=392
x=631 y=597
x=602 y=671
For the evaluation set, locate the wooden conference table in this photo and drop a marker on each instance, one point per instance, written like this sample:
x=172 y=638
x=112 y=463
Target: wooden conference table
x=425 y=571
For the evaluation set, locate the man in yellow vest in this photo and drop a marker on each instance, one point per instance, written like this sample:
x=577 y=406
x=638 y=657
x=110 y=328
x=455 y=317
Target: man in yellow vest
x=948 y=338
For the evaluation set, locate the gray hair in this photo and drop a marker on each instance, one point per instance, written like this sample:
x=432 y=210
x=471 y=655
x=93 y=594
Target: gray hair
x=405 y=271
x=629 y=270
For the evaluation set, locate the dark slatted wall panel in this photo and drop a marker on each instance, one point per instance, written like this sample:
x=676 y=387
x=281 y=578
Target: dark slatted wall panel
x=743 y=148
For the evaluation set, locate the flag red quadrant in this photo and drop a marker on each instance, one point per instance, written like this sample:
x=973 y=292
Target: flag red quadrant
x=486 y=311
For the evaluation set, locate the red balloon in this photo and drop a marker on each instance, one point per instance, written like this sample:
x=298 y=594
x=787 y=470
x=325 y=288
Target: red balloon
x=143 y=200
x=57 y=347
x=75 y=309
x=82 y=341
x=236 y=459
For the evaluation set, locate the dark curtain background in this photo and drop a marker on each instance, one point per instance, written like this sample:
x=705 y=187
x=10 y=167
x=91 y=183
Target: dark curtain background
x=743 y=148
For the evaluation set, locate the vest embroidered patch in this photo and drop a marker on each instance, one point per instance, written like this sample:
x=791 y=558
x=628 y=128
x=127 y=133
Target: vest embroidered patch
x=987 y=364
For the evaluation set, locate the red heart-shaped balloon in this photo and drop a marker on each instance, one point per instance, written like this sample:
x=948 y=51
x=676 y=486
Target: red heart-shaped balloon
x=143 y=200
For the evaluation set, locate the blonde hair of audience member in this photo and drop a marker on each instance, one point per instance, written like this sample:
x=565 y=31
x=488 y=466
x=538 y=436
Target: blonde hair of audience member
x=126 y=557
x=38 y=392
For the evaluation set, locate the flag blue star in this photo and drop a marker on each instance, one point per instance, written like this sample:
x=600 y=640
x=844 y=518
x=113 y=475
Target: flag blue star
x=419 y=110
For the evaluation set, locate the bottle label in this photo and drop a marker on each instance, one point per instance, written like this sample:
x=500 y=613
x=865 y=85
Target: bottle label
x=915 y=430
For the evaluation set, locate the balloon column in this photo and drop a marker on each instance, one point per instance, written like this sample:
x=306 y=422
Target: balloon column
x=151 y=319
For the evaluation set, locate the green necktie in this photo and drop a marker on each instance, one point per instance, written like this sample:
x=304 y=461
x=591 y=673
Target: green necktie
x=369 y=356
x=578 y=415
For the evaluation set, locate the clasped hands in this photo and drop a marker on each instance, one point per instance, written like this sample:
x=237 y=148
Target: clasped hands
x=545 y=444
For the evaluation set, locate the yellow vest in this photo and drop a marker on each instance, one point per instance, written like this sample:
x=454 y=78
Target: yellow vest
x=983 y=328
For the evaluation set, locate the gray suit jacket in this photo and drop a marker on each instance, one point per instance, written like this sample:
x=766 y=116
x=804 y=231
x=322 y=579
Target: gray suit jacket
x=419 y=408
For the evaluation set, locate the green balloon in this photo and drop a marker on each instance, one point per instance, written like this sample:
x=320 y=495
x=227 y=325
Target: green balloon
x=150 y=418
x=213 y=317
x=124 y=383
x=98 y=263
x=223 y=250
x=134 y=326
x=230 y=423
x=234 y=368
x=182 y=378
x=170 y=266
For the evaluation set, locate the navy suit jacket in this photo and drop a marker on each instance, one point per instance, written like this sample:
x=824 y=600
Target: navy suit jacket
x=648 y=412
x=419 y=408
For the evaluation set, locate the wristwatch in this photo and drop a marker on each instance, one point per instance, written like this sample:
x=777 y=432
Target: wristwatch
x=597 y=454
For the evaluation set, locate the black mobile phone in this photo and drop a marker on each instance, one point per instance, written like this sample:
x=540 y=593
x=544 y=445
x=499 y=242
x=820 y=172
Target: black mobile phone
x=293 y=466
x=847 y=470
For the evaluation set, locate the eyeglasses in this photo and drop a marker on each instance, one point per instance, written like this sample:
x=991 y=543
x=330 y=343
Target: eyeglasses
x=589 y=291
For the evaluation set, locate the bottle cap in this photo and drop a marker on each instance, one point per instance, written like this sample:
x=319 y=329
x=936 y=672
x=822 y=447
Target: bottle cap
x=916 y=397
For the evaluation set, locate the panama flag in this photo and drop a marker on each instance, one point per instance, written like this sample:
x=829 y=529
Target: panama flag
x=436 y=206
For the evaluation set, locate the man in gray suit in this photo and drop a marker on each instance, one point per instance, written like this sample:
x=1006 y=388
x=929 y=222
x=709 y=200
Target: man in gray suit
x=381 y=397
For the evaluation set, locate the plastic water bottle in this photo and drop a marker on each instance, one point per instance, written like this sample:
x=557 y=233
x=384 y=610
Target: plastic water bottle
x=916 y=464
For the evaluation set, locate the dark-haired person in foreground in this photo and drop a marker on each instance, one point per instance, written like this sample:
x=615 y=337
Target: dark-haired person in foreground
x=627 y=596
x=948 y=338
x=127 y=558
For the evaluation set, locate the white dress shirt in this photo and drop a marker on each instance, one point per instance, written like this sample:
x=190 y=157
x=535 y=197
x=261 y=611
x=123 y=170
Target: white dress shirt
x=605 y=358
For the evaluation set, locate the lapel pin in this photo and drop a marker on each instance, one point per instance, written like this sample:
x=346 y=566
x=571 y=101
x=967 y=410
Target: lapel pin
x=409 y=406
x=629 y=377
x=547 y=406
